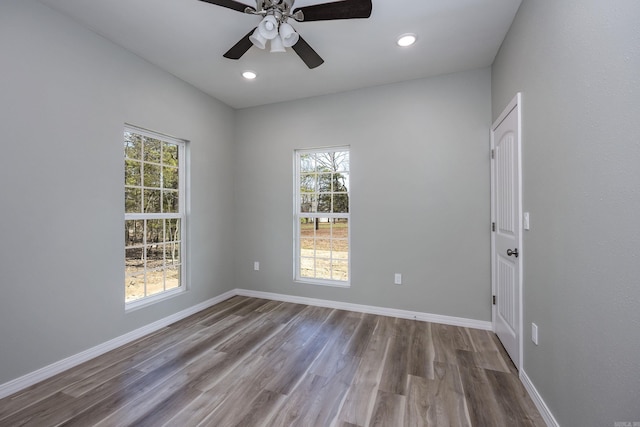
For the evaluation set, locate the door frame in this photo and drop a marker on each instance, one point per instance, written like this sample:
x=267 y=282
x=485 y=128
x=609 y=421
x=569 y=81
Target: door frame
x=515 y=103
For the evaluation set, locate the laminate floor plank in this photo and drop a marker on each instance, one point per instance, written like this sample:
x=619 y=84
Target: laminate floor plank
x=482 y=405
x=520 y=411
x=450 y=402
x=254 y=362
x=421 y=352
x=389 y=410
x=361 y=396
x=362 y=335
x=396 y=371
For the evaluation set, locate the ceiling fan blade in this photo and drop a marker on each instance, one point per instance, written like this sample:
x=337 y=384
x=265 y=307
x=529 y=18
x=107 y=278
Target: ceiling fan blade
x=240 y=48
x=345 y=9
x=230 y=4
x=307 y=54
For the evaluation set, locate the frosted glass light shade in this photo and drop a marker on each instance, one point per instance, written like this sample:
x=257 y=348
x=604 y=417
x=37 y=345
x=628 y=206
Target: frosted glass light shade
x=257 y=39
x=268 y=28
x=288 y=35
x=277 y=46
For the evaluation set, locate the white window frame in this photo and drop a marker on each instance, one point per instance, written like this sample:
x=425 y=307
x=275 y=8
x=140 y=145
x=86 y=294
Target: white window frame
x=181 y=215
x=298 y=214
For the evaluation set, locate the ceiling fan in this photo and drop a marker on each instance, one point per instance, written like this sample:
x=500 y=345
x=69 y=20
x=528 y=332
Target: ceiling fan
x=275 y=28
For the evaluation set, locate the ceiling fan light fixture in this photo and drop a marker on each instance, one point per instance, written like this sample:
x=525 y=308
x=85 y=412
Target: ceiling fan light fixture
x=277 y=46
x=288 y=34
x=257 y=39
x=268 y=28
x=406 y=40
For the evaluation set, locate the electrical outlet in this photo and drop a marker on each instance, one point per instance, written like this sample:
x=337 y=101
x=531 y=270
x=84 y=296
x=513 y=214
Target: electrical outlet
x=256 y=266
x=534 y=333
x=397 y=279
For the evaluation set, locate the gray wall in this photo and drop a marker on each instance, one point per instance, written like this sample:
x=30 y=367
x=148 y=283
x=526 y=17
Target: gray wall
x=577 y=63
x=65 y=94
x=420 y=192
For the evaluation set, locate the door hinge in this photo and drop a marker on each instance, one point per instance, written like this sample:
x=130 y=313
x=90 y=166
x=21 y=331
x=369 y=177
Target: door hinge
x=493 y=154
x=494 y=300
x=493 y=226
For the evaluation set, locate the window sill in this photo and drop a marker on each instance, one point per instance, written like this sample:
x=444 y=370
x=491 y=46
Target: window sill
x=147 y=301
x=319 y=282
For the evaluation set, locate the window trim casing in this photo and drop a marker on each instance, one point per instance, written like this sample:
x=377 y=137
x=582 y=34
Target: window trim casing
x=183 y=203
x=297 y=215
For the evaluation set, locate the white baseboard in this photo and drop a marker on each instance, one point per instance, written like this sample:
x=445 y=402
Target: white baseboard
x=537 y=399
x=32 y=378
x=382 y=311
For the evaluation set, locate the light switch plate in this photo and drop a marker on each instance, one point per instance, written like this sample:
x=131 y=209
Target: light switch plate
x=525 y=221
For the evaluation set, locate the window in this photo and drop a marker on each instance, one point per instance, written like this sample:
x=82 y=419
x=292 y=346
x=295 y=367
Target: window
x=154 y=219
x=322 y=216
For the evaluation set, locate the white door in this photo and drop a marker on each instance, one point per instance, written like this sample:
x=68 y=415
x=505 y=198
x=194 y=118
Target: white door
x=506 y=183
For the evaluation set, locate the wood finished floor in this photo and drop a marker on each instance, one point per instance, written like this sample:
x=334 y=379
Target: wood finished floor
x=253 y=362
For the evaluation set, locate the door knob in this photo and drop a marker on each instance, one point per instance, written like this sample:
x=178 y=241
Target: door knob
x=513 y=252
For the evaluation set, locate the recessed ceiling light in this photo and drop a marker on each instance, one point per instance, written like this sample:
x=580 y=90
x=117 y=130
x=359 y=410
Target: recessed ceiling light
x=406 y=40
x=249 y=75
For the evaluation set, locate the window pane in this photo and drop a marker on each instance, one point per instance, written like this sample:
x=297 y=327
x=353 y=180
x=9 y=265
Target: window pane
x=155 y=258
x=308 y=203
x=170 y=154
x=151 y=175
x=134 y=288
x=170 y=178
x=340 y=203
x=340 y=270
x=170 y=201
x=307 y=162
x=132 y=172
x=341 y=160
x=324 y=182
x=132 y=145
x=307 y=267
x=152 y=201
x=152 y=149
x=172 y=254
x=340 y=182
x=132 y=200
x=134 y=261
x=324 y=203
x=308 y=183
x=155 y=231
x=340 y=228
x=173 y=230
x=172 y=278
x=155 y=282
x=323 y=268
x=133 y=232
x=340 y=249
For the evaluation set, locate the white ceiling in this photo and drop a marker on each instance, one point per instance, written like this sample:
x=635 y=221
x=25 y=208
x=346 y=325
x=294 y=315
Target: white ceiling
x=188 y=37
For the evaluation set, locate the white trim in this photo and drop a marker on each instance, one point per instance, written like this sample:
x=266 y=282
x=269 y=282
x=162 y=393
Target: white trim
x=544 y=410
x=42 y=374
x=382 y=311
